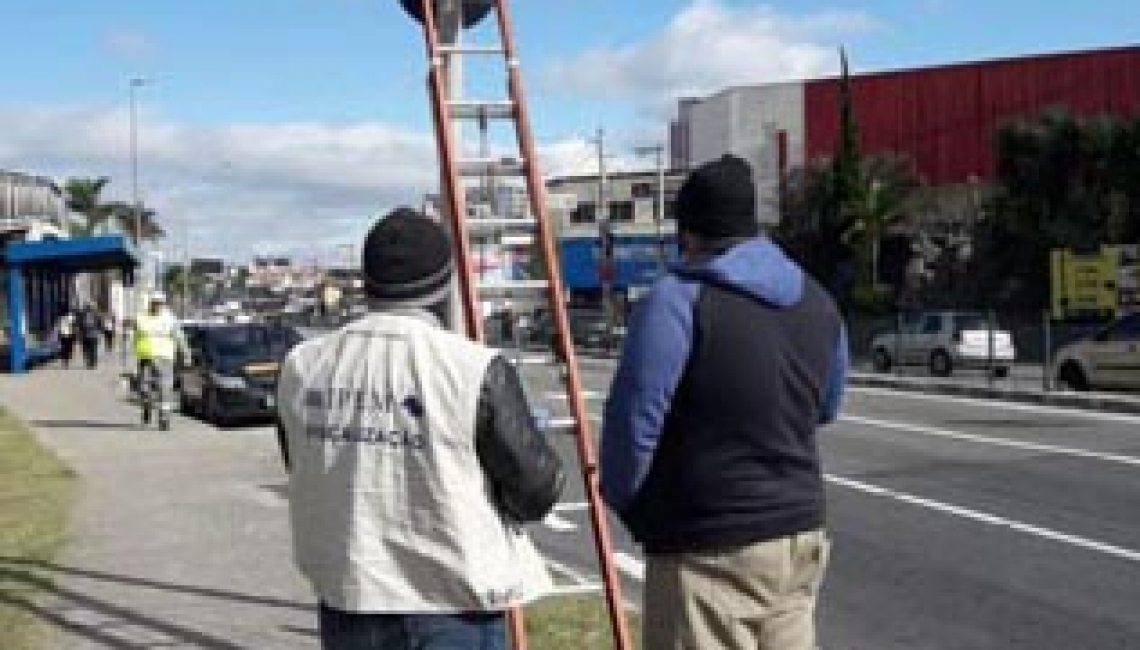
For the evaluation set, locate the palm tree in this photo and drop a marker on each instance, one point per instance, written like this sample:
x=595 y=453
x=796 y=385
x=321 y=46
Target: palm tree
x=82 y=196
x=124 y=214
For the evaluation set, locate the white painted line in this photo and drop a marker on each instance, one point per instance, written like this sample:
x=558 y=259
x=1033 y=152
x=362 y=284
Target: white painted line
x=1001 y=404
x=558 y=524
x=987 y=518
x=575 y=576
x=1000 y=442
x=629 y=565
x=576 y=590
x=571 y=506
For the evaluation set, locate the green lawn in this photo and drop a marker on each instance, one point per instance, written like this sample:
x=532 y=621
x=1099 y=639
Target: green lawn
x=35 y=496
x=578 y=622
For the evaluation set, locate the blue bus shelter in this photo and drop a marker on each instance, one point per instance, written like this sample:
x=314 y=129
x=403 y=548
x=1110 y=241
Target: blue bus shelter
x=39 y=284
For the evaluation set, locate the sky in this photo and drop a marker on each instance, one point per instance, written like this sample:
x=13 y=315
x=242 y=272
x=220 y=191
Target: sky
x=287 y=127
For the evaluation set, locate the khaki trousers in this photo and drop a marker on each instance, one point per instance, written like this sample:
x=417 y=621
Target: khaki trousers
x=758 y=597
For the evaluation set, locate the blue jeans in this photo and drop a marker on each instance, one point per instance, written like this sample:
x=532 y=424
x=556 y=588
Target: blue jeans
x=468 y=631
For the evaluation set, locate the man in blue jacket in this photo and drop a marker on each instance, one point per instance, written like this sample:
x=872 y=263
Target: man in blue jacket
x=709 y=453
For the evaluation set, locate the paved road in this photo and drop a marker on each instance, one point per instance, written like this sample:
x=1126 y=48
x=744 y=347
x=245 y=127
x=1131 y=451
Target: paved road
x=960 y=524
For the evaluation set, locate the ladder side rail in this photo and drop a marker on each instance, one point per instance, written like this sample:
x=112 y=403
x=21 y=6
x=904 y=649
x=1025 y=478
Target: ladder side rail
x=456 y=201
x=564 y=340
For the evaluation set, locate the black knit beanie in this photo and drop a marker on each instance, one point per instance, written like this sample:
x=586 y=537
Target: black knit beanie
x=718 y=200
x=406 y=260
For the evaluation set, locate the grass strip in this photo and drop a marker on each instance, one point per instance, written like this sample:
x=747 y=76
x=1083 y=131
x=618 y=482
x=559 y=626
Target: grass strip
x=580 y=622
x=35 y=499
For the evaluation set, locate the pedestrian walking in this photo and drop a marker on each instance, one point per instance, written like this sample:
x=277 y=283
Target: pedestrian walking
x=108 y=321
x=709 y=453
x=65 y=332
x=89 y=329
x=414 y=463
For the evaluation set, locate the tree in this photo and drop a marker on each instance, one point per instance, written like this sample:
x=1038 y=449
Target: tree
x=82 y=196
x=124 y=214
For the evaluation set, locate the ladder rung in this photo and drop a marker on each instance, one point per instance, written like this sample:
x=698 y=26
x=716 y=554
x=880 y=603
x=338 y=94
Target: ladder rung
x=472 y=49
x=474 y=109
x=501 y=224
x=566 y=423
x=491 y=167
x=514 y=285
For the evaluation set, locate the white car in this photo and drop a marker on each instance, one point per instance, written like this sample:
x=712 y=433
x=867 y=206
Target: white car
x=944 y=341
x=1109 y=359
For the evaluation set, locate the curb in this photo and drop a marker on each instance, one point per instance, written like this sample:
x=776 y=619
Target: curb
x=1102 y=402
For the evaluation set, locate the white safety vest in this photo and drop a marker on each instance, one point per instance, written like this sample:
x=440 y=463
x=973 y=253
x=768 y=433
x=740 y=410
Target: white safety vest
x=390 y=508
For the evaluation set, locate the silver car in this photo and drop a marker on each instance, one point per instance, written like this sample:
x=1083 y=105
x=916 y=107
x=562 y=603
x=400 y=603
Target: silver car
x=1109 y=359
x=944 y=341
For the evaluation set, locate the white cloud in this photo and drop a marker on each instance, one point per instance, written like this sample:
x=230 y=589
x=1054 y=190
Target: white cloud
x=292 y=188
x=710 y=45
x=128 y=43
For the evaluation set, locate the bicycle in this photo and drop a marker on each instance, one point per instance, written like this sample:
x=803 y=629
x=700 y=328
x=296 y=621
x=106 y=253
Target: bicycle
x=148 y=385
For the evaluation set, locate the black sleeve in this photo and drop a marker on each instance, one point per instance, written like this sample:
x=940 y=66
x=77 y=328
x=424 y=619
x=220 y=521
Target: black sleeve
x=523 y=468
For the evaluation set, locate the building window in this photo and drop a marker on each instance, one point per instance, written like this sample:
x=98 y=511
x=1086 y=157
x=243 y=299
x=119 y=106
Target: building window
x=583 y=213
x=670 y=210
x=643 y=190
x=621 y=211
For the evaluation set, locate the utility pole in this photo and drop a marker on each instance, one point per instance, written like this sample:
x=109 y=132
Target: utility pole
x=659 y=217
x=606 y=268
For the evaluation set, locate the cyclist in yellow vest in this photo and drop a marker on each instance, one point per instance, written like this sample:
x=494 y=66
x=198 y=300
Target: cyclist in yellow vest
x=158 y=339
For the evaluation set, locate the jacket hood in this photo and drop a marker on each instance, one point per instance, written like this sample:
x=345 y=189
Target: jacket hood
x=757 y=267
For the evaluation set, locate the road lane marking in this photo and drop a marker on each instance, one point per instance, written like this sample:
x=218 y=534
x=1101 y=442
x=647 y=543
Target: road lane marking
x=571 y=506
x=558 y=524
x=577 y=577
x=1000 y=442
x=987 y=518
x=629 y=565
x=576 y=590
x=997 y=403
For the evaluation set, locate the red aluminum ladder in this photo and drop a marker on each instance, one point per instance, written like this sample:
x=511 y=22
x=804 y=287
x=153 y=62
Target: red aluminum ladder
x=513 y=109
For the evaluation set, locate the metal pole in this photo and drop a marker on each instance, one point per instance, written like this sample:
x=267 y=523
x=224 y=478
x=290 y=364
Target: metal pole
x=1046 y=374
x=605 y=237
x=991 y=326
x=185 y=268
x=661 y=206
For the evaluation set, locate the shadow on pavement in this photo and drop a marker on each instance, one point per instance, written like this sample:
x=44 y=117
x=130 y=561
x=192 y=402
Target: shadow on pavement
x=84 y=424
x=108 y=616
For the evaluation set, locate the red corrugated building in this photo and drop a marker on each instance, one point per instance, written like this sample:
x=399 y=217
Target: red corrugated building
x=944 y=118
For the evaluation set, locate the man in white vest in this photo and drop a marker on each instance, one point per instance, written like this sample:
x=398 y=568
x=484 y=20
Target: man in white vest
x=414 y=463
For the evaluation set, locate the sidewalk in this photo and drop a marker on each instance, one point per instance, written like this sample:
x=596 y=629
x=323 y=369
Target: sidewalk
x=178 y=539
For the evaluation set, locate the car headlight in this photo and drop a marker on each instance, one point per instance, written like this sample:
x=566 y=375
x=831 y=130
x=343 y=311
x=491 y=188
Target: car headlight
x=227 y=381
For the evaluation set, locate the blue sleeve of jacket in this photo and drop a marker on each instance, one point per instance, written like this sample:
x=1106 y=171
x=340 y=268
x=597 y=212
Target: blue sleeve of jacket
x=656 y=352
x=837 y=381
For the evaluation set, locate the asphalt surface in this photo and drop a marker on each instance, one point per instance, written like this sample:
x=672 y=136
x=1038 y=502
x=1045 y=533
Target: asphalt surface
x=958 y=524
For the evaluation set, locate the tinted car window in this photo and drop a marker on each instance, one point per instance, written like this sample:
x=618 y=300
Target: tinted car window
x=1126 y=329
x=250 y=341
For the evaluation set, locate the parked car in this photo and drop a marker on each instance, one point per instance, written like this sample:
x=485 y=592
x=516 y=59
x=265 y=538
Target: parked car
x=588 y=329
x=945 y=341
x=1109 y=359
x=232 y=370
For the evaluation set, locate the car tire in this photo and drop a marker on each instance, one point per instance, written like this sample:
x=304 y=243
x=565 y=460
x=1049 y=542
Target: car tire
x=211 y=411
x=881 y=360
x=1071 y=377
x=1001 y=372
x=940 y=364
